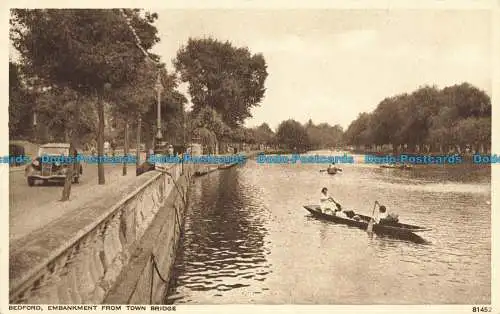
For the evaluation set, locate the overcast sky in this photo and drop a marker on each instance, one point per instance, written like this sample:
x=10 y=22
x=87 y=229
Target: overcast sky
x=330 y=65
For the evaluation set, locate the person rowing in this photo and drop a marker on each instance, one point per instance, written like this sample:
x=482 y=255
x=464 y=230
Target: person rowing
x=332 y=169
x=327 y=202
x=326 y=206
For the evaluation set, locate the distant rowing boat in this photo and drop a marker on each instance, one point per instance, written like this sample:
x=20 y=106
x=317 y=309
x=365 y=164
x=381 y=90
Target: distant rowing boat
x=400 y=167
x=227 y=166
x=399 y=230
x=331 y=171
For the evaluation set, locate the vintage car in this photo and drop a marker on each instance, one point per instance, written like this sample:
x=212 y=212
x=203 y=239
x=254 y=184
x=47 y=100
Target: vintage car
x=52 y=164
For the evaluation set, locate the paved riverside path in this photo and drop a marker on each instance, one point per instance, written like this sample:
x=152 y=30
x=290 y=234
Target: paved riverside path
x=31 y=208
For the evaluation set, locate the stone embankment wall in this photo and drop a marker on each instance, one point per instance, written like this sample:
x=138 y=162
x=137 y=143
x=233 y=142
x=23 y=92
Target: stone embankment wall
x=88 y=255
x=146 y=277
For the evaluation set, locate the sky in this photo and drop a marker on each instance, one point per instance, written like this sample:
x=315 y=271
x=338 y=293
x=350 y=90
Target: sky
x=330 y=65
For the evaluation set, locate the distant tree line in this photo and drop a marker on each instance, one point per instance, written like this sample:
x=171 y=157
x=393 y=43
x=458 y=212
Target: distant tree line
x=429 y=119
x=292 y=136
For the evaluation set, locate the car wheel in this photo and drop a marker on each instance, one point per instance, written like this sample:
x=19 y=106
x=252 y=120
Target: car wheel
x=31 y=181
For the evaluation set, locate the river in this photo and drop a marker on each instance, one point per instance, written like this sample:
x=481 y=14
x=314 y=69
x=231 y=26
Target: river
x=249 y=240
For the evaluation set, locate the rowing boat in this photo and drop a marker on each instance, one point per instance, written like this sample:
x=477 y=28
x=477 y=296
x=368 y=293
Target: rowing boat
x=400 y=167
x=227 y=166
x=398 y=230
x=331 y=170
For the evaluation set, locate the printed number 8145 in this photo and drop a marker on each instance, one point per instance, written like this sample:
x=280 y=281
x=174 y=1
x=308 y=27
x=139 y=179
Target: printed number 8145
x=481 y=309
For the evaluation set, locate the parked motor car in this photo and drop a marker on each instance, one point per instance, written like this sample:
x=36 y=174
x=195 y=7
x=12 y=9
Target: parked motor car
x=51 y=164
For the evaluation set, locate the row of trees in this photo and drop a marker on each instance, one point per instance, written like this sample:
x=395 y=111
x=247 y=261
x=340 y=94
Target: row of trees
x=439 y=119
x=455 y=115
x=80 y=68
x=291 y=135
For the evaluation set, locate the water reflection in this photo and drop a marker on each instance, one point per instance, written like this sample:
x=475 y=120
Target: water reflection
x=224 y=241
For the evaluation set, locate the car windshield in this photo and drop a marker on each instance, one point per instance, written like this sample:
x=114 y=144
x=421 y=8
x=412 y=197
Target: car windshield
x=53 y=151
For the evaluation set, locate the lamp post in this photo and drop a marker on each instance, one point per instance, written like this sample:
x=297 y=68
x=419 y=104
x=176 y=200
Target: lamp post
x=159 y=89
x=34 y=127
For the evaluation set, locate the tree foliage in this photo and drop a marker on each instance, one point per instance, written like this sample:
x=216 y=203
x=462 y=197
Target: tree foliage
x=58 y=109
x=454 y=115
x=227 y=79
x=358 y=131
x=293 y=135
x=263 y=134
x=83 y=49
x=20 y=104
x=208 y=119
x=323 y=135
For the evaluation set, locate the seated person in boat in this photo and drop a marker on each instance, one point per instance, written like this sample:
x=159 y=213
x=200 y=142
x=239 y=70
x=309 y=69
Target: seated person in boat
x=327 y=203
x=384 y=217
x=351 y=214
x=333 y=168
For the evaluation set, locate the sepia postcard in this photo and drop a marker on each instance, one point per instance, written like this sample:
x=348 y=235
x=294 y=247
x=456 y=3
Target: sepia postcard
x=250 y=156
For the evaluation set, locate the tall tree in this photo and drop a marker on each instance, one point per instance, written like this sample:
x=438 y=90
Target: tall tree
x=292 y=134
x=358 y=132
x=264 y=134
x=21 y=103
x=89 y=51
x=222 y=77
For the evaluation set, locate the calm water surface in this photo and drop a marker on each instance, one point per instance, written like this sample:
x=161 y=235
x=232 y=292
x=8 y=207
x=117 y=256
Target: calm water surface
x=248 y=239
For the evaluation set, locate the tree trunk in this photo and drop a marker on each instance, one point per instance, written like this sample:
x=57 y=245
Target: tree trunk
x=72 y=148
x=138 y=144
x=100 y=141
x=125 y=149
x=69 y=176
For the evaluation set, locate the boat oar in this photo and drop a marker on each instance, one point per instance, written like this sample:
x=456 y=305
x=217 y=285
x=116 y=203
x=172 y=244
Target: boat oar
x=336 y=169
x=369 y=229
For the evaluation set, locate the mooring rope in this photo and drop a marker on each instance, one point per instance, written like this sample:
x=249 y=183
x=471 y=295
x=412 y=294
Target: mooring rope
x=153 y=268
x=183 y=196
x=153 y=258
